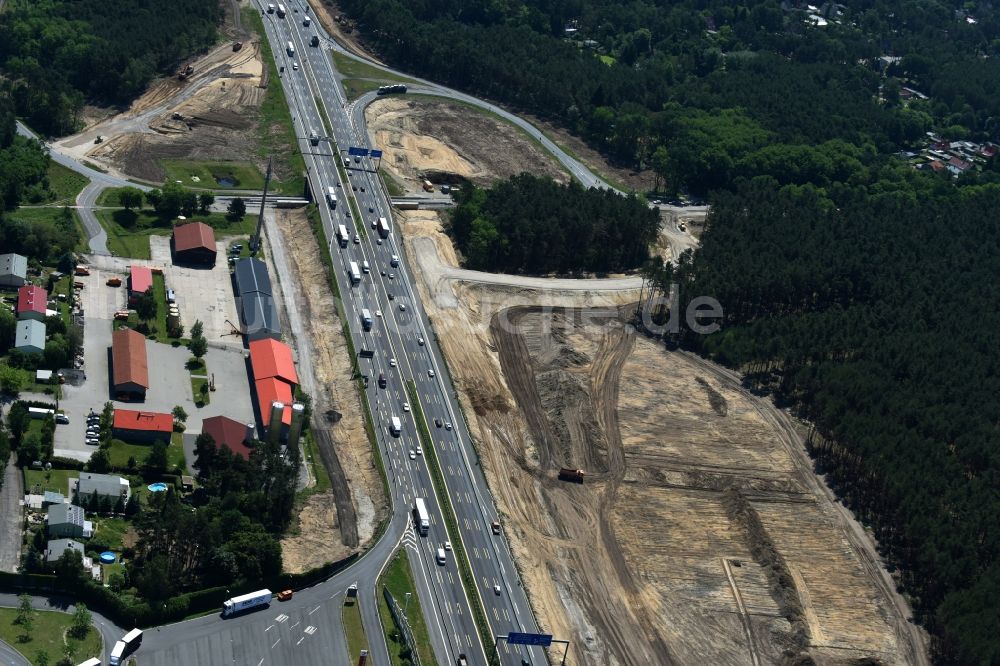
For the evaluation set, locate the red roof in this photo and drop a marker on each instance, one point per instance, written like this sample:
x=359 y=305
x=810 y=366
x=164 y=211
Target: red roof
x=194 y=235
x=271 y=390
x=140 y=278
x=270 y=358
x=31 y=299
x=228 y=433
x=128 y=358
x=129 y=419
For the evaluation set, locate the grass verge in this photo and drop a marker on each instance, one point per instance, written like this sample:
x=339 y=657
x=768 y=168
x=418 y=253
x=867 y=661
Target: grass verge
x=64 y=184
x=391 y=185
x=205 y=174
x=276 y=134
x=399 y=579
x=450 y=520
x=319 y=470
x=352 y=68
x=48 y=635
x=353 y=629
x=49 y=216
x=355 y=88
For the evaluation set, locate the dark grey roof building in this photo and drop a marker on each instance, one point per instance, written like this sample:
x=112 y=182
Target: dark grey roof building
x=257 y=308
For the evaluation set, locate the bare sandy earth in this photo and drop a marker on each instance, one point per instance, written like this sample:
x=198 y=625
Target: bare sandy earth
x=643 y=563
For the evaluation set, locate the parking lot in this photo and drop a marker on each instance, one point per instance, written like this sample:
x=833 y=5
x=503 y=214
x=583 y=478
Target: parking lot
x=205 y=294
x=201 y=294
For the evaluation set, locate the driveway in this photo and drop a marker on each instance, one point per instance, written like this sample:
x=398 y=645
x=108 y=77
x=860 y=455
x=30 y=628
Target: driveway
x=11 y=496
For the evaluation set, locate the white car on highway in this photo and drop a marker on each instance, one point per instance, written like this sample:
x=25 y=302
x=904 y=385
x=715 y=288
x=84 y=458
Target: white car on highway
x=392 y=362
x=430 y=373
x=406 y=406
x=420 y=341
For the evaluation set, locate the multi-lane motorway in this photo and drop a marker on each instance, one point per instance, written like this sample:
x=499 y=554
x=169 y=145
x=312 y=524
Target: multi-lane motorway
x=404 y=351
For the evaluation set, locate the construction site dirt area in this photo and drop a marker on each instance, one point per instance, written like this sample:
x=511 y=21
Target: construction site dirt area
x=428 y=139
x=699 y=534
x=337 y=424
x=209 y=110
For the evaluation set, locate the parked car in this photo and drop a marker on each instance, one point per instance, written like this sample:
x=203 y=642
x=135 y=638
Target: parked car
x=285 y=595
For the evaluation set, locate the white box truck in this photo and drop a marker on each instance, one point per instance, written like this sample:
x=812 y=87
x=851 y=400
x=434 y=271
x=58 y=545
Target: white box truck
x=421 y=520
x=342 y=236
x=291 y=50
x=40 y=412
x=383 y=227
x=331 y=197
x=281 y=11
x=126 y=646
x=366 y=319
x=246 y=602
x=355 y=273
x=395 y=427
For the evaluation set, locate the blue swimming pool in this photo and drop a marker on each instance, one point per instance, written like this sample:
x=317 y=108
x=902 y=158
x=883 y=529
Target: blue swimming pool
x=157 y=487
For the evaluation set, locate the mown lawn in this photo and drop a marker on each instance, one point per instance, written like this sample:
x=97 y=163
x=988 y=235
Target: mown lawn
x=47 y=636
x=57 y=480
x=121 y=451
x=355 y=88
x=204 y=174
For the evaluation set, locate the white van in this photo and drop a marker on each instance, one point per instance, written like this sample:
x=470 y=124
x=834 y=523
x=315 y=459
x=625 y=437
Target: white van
x=170 y=296
x=365 y=268
x=441 y=556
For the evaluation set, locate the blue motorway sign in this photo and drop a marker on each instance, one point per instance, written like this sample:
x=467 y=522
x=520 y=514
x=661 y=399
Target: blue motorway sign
x=376 y=153
x=516 y=638
x=360 y=152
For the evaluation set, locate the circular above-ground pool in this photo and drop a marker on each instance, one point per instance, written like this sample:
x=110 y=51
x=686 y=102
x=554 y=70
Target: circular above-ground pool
x=107 y=557
x=157 y=487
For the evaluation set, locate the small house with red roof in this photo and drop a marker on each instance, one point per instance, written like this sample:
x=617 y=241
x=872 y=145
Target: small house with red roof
x=31 y=301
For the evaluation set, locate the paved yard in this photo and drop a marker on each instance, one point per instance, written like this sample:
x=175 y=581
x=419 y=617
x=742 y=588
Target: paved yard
x=205 y=294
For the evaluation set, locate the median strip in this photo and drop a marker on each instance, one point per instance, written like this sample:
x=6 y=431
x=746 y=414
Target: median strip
x=450 y=520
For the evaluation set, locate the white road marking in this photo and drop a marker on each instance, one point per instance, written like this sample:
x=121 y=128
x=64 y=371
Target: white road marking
x=315 y=609
x=310 y=630
x=275 y=643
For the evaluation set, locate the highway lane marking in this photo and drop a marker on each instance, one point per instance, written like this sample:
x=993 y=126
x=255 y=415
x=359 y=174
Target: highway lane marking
x=310 y=630
x=506 y=614
x=314 y=610
x=270 y=627
x=261 y=661
x=294 y=625
x=281 y=618
x=300 y=640
x=275 y=643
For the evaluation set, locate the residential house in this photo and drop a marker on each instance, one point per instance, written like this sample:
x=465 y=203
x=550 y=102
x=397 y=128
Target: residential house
x=29 y=336
x=58 y=547
x=31 y=302
x=13 y=270
x=67 y=520
x=105 y=485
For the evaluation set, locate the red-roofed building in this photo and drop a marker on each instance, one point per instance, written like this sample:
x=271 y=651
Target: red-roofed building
x=31 y=302
x=140 y=280
x=270 y=358
x=194 y=243
x=134 y=426
x=229 y=433
x=130 y=369
x=272 y=390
